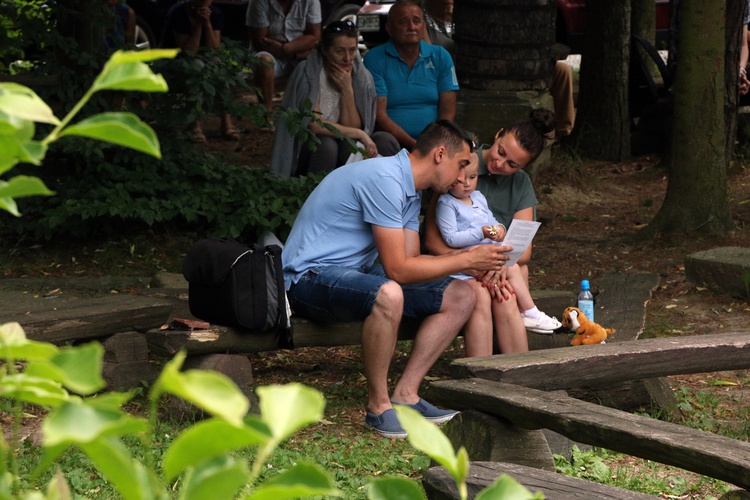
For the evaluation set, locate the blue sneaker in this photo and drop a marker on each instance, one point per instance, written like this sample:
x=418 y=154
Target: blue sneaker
x=431 y=413
x=386 y=424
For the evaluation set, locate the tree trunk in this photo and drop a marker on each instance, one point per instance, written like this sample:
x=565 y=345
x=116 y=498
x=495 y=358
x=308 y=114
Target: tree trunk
x=603 y=123
x=696 y=196
x=734 y=17
x=643 y=20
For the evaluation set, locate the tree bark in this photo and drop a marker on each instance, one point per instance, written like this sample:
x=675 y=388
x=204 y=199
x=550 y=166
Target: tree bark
x=643 y=20
x=697 y=196
x=603 y=123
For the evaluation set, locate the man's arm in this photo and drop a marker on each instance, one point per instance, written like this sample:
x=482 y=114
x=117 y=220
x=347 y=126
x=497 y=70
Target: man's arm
x=301 y=46
x=447 y=105
x=403 y=263
x=261 y=42
x=387 y=124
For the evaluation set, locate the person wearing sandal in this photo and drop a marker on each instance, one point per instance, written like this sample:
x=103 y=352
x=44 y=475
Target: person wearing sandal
x=341 y=89
x=190 y=25
x=369 y=210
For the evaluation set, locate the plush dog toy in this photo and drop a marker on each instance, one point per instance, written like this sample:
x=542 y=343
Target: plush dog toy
x=587 y=332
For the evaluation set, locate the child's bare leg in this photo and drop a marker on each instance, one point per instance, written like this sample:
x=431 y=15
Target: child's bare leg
x=478 y=328
x=521 y=287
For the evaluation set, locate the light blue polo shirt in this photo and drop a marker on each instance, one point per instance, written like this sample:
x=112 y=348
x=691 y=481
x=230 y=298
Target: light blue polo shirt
x=413 y=93
x=334 y=227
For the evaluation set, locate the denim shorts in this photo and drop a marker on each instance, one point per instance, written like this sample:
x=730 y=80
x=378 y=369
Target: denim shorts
x=330 y=293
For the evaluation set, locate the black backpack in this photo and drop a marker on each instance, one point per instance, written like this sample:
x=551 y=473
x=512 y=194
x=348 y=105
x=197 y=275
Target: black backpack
x=233 y=284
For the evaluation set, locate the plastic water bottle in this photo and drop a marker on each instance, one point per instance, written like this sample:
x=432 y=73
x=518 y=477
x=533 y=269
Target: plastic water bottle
x=586 y=300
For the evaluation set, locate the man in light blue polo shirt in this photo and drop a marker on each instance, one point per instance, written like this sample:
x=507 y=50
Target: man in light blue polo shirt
x=415 y=82
x=370 y=209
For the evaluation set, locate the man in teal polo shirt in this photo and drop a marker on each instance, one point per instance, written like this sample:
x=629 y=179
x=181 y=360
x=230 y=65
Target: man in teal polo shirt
x=415 y=82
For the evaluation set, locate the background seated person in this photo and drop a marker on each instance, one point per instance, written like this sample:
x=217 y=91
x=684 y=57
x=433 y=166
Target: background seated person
x=191 y=25
x=121 y=31
x=282 y=33
x=438 y=19
x=415 y=81
x=342 y=91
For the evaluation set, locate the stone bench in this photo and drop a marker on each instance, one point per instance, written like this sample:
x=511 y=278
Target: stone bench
x=725 y=269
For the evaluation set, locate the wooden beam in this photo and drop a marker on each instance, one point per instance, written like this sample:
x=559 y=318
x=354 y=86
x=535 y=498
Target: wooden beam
x=604 y=364
x=438 y=483
x=221 y=339
x=93 y=318
x=698 y=451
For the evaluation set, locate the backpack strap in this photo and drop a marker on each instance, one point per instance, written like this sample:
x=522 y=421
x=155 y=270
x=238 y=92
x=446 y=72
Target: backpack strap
x=258 y=272
x=283 y=319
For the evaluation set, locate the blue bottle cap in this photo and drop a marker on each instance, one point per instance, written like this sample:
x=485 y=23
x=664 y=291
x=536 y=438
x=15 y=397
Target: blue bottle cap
x=585 y=285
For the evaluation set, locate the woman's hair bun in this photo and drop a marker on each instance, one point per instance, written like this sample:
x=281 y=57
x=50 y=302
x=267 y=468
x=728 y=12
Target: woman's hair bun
x=543 y=119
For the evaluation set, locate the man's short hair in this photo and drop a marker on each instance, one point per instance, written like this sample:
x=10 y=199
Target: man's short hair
x=403 y=3
x=446 y=133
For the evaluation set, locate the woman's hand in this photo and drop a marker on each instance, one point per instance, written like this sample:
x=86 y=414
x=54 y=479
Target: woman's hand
x=370 y=148
x=496 y=283
x=339 y=77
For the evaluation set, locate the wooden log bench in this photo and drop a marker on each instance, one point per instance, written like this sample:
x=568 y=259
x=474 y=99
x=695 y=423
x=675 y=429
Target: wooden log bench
x=508 y=389
x=439 y=485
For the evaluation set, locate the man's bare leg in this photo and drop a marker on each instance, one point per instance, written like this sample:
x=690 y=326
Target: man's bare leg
x=379 y=335
x=264 y=80
x=434 y=336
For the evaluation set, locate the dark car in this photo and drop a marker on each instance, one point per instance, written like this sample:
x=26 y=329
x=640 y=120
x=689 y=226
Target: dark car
x=571 y=20
x=152 y=13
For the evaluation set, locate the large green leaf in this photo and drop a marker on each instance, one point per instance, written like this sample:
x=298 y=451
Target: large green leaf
x=288 y=408
x=15 y=150
x=10 y=206
x=33 y=390
x=15 y=345
x=302 y=480
x=126 y=70
x=211 y=391
x=394 y=488
x=22 y=185
x=77 y=422
x=77 y=368
x=14 y=125
x=206 y=440
x=428 y=438
x=221 y=477
x=22 y=102
x=507 y=488
x=124 y=129
x=58 y=488
x=131 y=479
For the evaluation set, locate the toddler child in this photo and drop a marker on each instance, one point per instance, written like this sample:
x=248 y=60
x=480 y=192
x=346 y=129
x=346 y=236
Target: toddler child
x=464 y=220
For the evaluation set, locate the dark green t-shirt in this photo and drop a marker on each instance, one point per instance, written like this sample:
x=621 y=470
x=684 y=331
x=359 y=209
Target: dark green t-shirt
x=506 y=194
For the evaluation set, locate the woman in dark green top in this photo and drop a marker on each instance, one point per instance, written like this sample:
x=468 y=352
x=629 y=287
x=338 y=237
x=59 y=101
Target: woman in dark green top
x=510 y=195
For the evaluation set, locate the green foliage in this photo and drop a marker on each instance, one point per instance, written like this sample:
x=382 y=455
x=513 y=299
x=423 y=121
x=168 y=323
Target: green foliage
x=186 y=187
x=21 y=109
x=20 y=32
x=626 y=472
x=201 y=461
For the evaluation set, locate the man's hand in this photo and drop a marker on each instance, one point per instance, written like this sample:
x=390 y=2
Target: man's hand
x=488 y=257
